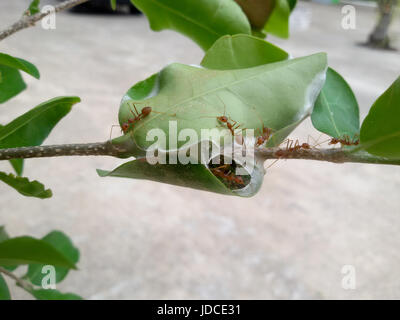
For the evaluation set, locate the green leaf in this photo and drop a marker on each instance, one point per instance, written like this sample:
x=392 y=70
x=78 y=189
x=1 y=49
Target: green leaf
x=194 y=176
x=3 y=234
x=17 y=164
x=11 y=83
x=203 y=21
x=33 y=8
x=257 y=11
x=336 y=110
x=62 y=243
x=4 y=292
x=33 y=127
x=241 y=51
x=26 y=187
x=113 y=4
x=380 y=131
x=50 y=294
x=20 y=64
x=274 y=95
x=292 y=4
x=28 y=250
x=278 y=22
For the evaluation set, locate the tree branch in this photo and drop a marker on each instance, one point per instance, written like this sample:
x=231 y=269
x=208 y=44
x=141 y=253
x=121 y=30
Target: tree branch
x=85 y=149
x=335 y=155
x=108 y=148
x=29 y=21
x=24 y=284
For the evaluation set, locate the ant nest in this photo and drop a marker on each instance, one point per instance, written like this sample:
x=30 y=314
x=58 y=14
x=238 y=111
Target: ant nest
x=226 y=171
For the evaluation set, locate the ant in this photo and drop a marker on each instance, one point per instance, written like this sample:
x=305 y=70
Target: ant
x=264 y=137
x=344 y=142
x=226 y=173
x=224 y=119
x=228 y=176
x=136 y=117
x=291 y=148
x=231 y=127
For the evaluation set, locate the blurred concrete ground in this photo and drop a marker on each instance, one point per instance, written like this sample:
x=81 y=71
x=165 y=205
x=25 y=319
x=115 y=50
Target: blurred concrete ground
x=141 y=239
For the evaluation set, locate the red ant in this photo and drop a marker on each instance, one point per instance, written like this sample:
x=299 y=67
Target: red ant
x=346 y=141
x=231 y=127
x=136 y=117
x=264 y=137
x=225 y=172
x=230 y=177
x=290 y=148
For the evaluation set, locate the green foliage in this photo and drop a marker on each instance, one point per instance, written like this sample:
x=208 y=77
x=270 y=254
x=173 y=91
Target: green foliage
x=54 y=249
x=11 y=83
x=4 y=292
x=232 y=52
x=336 y=110
x=28 y=250
x=380 y=131
x=278 y=22
x=33 y=8
x=19 y=64
x=26 y=187
x=113 y=4
x=3 y=234
x=49 y=294
x=62 y=243
x=195 y=97
x=203 y=21
x=292 y=4
x=194 y=176
x=33 y=127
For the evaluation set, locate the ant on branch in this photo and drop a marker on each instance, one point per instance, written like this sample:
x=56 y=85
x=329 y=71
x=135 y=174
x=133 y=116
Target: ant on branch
x=345 y=141
x=264 y=137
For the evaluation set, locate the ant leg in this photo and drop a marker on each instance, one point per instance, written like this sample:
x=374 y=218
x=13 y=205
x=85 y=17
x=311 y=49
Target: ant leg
x=271 y=164
x=111 y=130
x=136 y=109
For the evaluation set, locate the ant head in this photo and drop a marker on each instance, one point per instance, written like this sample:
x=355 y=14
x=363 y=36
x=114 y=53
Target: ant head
x=125 y=127
x=305 y=146
x=146 y=111
x=260 y=140
x=223 y=119
x=279 y=153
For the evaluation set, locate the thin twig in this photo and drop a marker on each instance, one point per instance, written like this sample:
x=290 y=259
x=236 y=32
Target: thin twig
x=24 y=284
x=29 y=21
x=335 y=155
x=84 y=149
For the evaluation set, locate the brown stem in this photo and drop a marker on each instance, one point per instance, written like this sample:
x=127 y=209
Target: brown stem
x=85 y=149
x=331 y=155
x=24 y=284
x=29 y=21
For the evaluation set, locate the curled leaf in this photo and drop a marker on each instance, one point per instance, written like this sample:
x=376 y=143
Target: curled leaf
x=26 y=187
